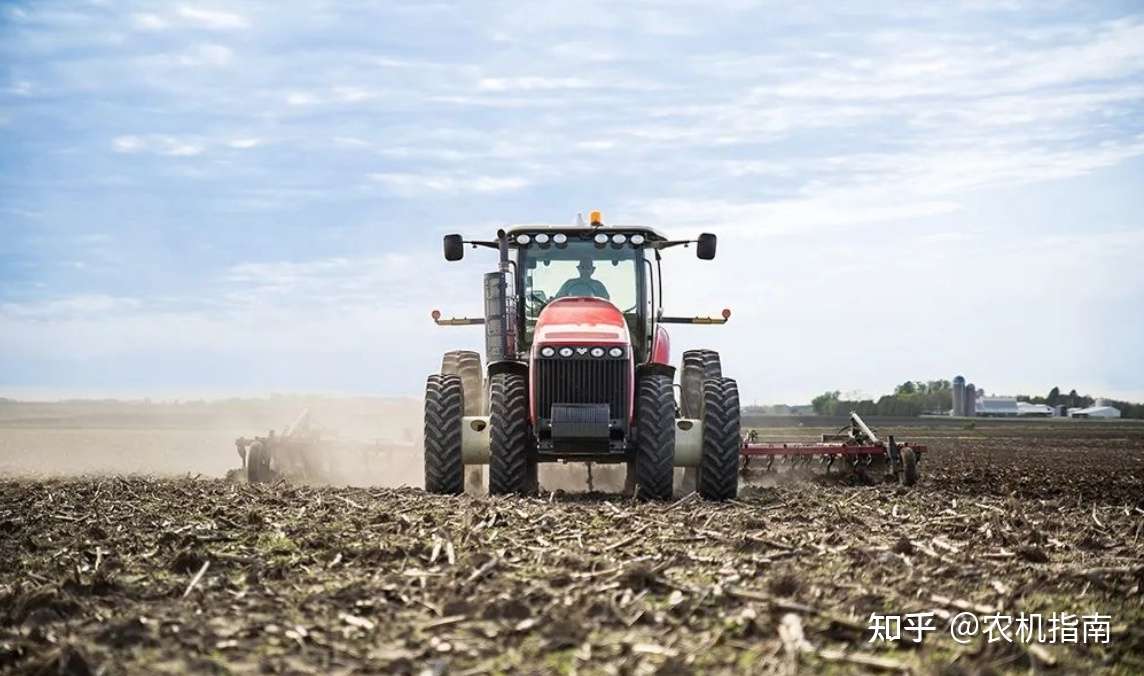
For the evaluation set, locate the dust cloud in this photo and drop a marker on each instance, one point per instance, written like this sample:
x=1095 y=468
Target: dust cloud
x=367 y=441
x=364 y=441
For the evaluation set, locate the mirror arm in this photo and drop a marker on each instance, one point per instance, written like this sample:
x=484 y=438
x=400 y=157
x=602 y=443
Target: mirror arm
x=675 y=242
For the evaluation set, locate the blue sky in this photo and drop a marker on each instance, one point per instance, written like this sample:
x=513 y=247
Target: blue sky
x=236 y=197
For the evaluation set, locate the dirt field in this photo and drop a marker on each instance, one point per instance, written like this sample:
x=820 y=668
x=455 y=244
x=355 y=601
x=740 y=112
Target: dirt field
x=155 y=575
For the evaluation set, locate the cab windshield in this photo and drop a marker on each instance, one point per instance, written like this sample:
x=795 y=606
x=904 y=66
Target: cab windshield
x=580 y=268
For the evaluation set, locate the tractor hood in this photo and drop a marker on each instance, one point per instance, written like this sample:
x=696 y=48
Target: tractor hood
x=581 y=320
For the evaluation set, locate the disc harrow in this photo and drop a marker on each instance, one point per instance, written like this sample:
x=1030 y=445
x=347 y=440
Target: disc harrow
x=856 y=448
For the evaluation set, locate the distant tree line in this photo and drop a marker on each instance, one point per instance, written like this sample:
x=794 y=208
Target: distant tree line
x=911 y=398
x=1073 y=400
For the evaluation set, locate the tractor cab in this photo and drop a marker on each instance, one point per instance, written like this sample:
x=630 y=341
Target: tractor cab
x=616 y=265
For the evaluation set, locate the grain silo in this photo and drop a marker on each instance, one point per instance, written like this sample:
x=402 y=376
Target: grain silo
x=958 y=396
x=970 y=400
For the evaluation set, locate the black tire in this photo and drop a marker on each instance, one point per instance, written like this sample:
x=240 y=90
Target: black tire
x=698 y=366
x=908 y=476
x=655 y=438
x=719 y=465
x=444 y=407
x=467 y=364
x=512 y=469
x=258 y=463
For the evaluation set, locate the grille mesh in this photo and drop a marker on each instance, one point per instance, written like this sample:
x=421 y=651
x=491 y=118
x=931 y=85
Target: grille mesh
x=582 y=380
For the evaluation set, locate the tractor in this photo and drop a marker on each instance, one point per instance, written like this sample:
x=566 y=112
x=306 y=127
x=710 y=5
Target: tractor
x=577 y=368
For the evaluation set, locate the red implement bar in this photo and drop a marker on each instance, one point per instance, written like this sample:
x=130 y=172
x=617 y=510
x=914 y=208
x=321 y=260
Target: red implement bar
x=754 y=449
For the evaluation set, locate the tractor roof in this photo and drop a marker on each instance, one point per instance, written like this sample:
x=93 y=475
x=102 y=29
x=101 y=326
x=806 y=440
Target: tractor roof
x=650 y=233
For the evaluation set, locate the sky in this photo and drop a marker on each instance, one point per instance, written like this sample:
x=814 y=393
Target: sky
x=235 y=198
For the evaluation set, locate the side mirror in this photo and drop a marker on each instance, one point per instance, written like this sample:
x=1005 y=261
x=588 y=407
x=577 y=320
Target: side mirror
x=454 y=248
x=705 y=247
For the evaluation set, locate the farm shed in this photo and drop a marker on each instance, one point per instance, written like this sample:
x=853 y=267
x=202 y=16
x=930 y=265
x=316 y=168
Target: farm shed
x=997 y=406
x=1095 y=412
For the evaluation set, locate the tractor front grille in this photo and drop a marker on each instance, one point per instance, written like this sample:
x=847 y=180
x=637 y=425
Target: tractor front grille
x=582 y=380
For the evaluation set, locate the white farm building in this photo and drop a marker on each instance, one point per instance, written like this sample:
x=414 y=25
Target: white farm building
x=1100 y=410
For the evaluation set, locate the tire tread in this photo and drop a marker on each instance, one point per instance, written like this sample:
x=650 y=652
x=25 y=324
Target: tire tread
x=444 y=407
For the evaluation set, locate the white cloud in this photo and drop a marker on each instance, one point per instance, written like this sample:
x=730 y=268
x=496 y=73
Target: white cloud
x=72 y=307
x=149 y=22
x=301 y=99
x=411 y=185
x=244 y=143
x=205 y=55
x=157 y=144
x=211 y=19
x=501 y=84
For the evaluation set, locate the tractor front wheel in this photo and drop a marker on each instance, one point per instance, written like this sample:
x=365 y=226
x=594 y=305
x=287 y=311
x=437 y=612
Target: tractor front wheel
x=719 y=464
x=655 y=438
x=512 y=469
x=444 y=408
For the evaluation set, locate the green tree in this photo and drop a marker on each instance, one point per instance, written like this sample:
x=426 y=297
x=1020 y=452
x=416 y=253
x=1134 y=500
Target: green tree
x=826 y=403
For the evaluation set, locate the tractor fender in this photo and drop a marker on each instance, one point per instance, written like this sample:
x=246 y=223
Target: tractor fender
x=661 y=346
x=655 y=369
x=508 y=366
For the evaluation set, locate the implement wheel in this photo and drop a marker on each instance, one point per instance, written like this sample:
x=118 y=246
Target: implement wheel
x=698 y=366
x=258 y=463
x=512 y=468
x=444 y=407
x=719 y=464
x=908 y=473
x=655 y=438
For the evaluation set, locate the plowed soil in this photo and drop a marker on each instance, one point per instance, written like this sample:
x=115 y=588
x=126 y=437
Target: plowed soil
x=170 y=575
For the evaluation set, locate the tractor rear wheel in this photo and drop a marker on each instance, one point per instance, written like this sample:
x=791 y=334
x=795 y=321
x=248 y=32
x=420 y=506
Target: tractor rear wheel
x=444 y=407
x=719 y=464
x=512 y=469
x=258 y=463
x=655 y=437
x=467 y=365
x=908 y=473
x=698 y=366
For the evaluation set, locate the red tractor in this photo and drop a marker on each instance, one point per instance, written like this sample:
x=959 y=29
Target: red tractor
x=578 y=369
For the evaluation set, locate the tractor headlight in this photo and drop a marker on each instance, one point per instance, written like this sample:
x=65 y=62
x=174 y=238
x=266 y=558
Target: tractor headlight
x=560 y=239
x=541 y=239
x=637 y=240
x=601 y=239
x=597 y=352
x=522 y=240
x=619 y=239
x=547 y=352
x=616 y=352
x=565 y=352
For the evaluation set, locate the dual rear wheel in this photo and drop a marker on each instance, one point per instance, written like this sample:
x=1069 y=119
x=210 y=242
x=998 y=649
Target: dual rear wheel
x=706 y=396
x=448 y=398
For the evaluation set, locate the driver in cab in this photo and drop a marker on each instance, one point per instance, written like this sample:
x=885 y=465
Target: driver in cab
x=584 y=285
